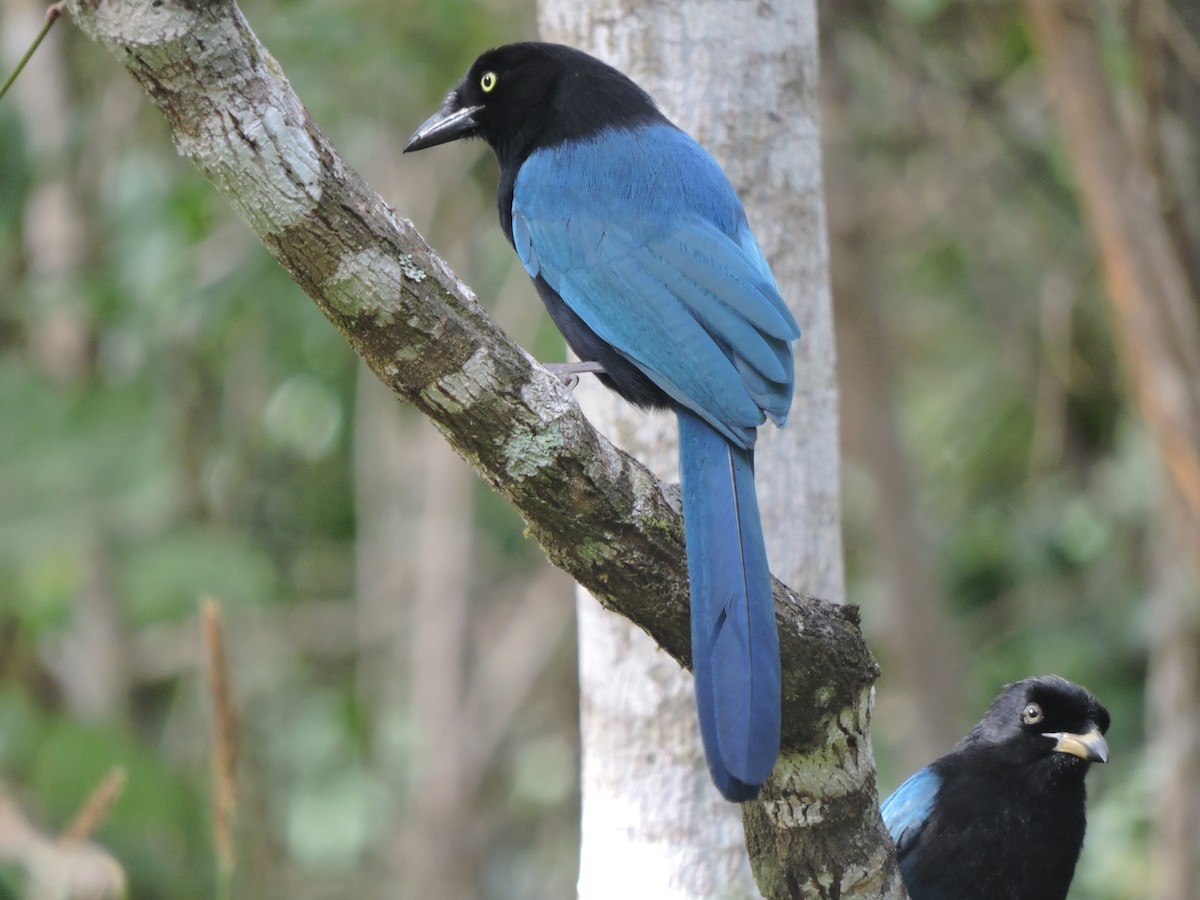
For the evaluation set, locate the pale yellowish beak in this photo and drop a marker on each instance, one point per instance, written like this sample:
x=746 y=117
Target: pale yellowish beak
x=1090 y=745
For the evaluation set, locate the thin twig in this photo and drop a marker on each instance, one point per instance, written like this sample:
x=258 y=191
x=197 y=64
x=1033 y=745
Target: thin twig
x=52 y=15
x=89 y=817
x=224 y=745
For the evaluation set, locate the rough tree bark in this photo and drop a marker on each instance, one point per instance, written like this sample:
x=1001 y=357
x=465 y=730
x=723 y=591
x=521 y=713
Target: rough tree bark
x=1157 y=322
x=600 y=515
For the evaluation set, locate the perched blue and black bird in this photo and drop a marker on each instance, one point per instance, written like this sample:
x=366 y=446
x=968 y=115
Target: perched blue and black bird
x=639 y=248
x=1001 y=816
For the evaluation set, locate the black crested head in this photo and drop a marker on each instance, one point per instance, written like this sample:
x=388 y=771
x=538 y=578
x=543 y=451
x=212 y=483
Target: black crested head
x=1007 y=807
x=522 y=97
x=1045 y=721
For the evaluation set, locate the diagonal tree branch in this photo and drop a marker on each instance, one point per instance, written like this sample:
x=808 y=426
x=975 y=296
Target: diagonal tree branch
x=599 y=514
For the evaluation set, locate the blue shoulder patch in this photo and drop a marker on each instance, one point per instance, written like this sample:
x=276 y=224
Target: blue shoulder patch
x=907 y=810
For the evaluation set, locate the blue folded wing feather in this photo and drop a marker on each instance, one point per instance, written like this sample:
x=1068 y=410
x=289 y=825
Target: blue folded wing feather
x=524 y=245
x=907 y=810
x=642 y=236
x=706 y=260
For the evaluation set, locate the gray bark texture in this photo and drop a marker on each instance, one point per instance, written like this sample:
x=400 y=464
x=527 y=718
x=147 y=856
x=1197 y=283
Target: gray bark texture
x=599 y=514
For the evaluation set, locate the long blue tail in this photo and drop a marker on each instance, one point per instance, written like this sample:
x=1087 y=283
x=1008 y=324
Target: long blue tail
x=735 y=645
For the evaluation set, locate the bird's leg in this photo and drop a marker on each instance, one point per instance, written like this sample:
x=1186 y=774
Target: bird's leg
x=568 y=373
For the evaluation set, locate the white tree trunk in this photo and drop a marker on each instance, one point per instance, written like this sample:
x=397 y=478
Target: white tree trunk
x=749 y=95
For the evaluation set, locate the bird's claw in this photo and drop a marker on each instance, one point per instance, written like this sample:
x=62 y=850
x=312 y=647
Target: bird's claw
x=568 y=373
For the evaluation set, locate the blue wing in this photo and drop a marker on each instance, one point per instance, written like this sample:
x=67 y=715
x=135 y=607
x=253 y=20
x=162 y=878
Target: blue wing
x=907 y=810
x=642 y=236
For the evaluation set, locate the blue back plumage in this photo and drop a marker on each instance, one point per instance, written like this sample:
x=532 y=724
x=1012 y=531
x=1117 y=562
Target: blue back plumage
x=641 y=235
x=907 y=810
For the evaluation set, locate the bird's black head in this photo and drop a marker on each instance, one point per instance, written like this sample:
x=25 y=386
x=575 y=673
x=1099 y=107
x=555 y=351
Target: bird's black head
x=521 y=97
x=1044 y=720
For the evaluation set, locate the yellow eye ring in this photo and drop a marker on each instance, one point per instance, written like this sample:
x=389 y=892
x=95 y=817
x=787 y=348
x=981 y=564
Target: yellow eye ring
x=488 y=81
x=1032 y=714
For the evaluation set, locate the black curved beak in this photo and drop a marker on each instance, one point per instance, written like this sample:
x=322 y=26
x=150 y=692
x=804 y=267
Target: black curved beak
x=449 y=123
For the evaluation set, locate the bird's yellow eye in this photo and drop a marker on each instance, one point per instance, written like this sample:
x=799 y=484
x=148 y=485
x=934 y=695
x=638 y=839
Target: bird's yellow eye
x=488 y=81
x=1032 y=714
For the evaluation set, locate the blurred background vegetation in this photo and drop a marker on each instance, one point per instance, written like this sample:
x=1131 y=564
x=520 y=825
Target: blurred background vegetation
x=178 y=420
